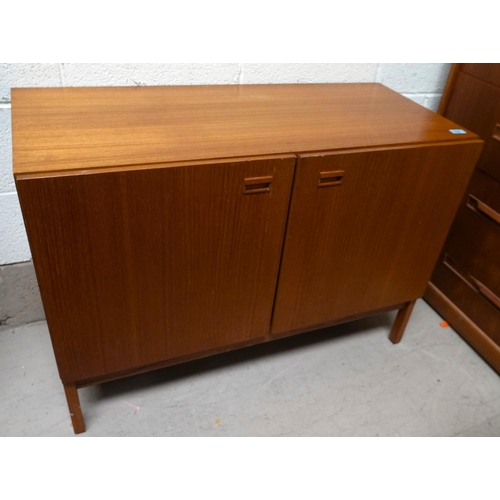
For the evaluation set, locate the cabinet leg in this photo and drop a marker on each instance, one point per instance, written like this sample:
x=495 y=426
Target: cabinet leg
x=398 y=328
x=74 y=408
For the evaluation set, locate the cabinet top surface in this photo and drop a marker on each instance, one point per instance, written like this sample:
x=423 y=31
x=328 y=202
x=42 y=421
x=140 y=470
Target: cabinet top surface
x=59 y=129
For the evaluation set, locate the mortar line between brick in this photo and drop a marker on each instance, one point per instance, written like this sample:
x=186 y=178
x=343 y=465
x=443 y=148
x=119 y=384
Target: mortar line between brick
x=422 y=93
x=5 y=105
x=240 y=71
x=62 y=75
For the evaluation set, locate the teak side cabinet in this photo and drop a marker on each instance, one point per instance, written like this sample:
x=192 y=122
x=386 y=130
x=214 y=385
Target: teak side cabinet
x=171 y=223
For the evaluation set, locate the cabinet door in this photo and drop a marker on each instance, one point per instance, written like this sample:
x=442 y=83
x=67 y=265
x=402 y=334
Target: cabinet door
x=140 y=266
x=488 y=72
x=365 y=230
x=476 y=105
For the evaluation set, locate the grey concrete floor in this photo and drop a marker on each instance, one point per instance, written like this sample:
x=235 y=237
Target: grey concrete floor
x=343 y=381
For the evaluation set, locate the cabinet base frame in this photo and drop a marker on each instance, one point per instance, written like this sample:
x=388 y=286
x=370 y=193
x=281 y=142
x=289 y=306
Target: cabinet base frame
x=467 y=329
x=71 y=388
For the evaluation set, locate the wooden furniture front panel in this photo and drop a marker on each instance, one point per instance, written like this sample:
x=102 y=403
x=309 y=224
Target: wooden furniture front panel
x=365 y=230
x=468 y=270
x=465 y=285
x=139 y=266
x=475 y=104
x=489 y=73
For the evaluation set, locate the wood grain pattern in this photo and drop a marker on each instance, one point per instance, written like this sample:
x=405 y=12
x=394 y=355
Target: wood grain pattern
x=75 y=411
x=470 y=259
x=136 y=267
x=401 y=321
x=490 y=73
x=474 y=238
x=474 y=104
x=373 y=240
x=465 y=285
x=83 y=128
x=226 y=348
x=489 y=161
x=482 y=208
x=156 y=216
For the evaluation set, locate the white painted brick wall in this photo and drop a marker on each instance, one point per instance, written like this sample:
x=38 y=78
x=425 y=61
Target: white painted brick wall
x=13 y=242
x=422 y=83
x=6 y=178
x=27 y=75
x=308 y=73
x=150 y=74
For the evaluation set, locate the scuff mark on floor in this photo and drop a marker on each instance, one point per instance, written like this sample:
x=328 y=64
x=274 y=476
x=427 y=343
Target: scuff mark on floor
x=137 y=408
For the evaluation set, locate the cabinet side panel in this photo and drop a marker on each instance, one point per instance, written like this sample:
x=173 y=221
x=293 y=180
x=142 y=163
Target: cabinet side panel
x=365 y=230
x=137 y=267
x=56 y=220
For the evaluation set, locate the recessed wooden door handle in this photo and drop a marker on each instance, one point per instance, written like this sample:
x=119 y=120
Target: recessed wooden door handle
x=333 y=178
x=254 y=185
x=486 y=292
x=472 y=282
x=496 y=132
x=478 y=206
